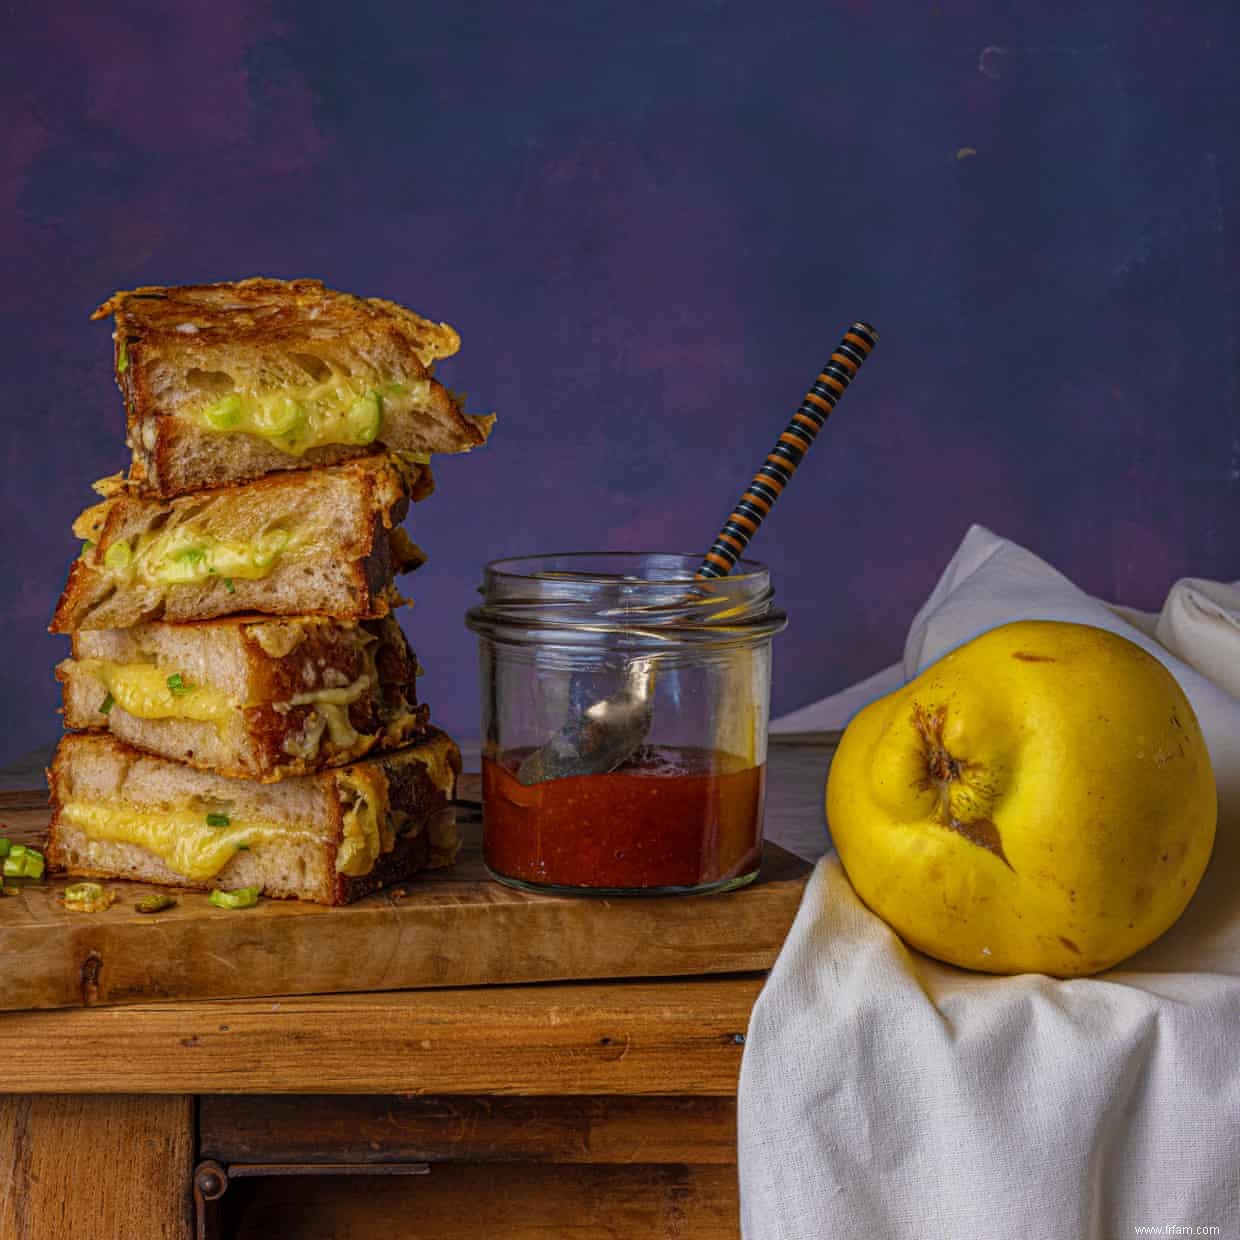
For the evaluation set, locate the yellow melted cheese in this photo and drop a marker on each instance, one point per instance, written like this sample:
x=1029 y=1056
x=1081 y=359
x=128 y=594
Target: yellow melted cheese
x=181 y=838
x=184 y=554
x=279 y=638
x=339 y=410
x=367 y=829
x=142 y=690
x=370 y=825
x=332 y=707
x=435 y=758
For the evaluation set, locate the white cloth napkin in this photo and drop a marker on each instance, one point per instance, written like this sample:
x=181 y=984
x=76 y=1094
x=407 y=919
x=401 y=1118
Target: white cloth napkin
x=886 y=1095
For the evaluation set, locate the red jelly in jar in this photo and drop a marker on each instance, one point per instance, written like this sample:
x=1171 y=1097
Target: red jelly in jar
x=666 y=819
x=683 y=813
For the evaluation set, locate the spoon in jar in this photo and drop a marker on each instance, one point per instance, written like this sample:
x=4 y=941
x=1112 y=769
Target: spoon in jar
x=608 y=732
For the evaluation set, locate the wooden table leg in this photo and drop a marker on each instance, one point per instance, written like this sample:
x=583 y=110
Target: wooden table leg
x=102 y=1165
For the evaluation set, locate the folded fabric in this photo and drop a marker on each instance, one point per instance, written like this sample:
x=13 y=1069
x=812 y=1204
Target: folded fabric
x=1200 y=623
x=834 y=712
x=885 y=1094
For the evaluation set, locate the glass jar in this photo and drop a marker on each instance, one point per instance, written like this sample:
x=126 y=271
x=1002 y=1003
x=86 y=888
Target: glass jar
x=683 y=812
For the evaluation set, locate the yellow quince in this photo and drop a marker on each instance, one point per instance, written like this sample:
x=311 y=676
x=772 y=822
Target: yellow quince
x=1039 y=800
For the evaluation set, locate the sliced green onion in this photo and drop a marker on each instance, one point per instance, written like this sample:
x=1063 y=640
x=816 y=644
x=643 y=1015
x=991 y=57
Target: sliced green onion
x=106 y=705
x=242 y=846
x=87 y=547
x=86 y=898
x=178 y=686
x=23 y=862
x=228 y=585
x=154 y=903
x=5 y=845
x=218 y=820
x=268 y=545
x=122 y=356
x=366 y=417
x=243 y=897
x=280 y=415
x=118 y=555
x=225 y=413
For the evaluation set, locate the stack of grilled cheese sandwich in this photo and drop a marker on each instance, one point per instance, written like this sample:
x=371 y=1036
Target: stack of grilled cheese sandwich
x=243 y=702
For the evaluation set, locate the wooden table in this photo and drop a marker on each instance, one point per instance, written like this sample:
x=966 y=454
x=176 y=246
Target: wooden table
x=596 y=1108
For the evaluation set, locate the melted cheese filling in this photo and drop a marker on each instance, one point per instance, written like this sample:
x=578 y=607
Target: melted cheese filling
x=181 y=838
x=186 y=843
x=142 y=690
x=367 y=829
x=340 y=409
x=439 y=770
x=370 y=825
x=184 y=554
x=331 y=714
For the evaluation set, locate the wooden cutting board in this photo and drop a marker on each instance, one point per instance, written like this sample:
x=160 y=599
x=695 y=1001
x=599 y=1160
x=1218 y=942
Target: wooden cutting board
x=451 y=927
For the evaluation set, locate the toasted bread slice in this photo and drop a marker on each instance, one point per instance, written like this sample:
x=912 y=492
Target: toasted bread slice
x=292 y=544
x=224 y=383
x=248 y=697
x=331 y=837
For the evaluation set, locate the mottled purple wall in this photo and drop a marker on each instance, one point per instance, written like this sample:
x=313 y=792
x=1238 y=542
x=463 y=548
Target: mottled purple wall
x=649 y=223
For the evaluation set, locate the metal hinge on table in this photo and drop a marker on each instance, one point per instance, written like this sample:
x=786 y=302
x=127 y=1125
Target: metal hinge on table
x=211 y=1180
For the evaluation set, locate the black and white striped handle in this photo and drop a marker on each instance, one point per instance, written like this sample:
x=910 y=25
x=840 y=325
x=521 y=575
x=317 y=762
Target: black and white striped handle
x=789 y=451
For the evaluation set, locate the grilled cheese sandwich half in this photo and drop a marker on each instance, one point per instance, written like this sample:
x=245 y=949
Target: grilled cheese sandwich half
x=328 y=837
x=252 y=698
x=224 y=383
x=324 y=542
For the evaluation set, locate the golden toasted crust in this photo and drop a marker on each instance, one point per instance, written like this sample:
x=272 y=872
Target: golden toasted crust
x=113 y=484
x=387 y=477
x=266 y=310
x=416 y=474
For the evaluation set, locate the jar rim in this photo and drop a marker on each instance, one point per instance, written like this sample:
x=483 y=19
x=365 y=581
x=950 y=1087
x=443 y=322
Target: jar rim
x=503 y=567
x=587 y=598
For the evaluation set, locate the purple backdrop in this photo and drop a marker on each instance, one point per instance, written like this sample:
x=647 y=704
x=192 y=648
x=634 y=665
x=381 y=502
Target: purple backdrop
x=649 y=223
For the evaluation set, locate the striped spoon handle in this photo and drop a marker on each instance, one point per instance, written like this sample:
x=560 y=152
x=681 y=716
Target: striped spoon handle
x=789 y=451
